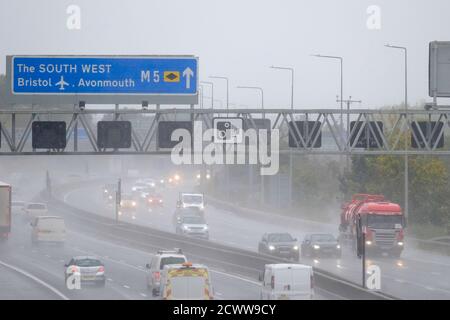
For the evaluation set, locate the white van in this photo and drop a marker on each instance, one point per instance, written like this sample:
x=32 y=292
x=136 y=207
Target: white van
x=186 y=281
x=48 y=229
x=287 y=282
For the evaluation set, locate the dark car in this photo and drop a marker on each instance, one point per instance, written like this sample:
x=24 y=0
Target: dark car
x=320 y=245
x=279 y=244
x=152 y=199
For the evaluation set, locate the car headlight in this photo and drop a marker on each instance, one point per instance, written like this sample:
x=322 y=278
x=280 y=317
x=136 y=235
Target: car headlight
x=110 y=197
x=205 y=228
x=185 y=227
x=400 y=243
x=133 y=204
x=208 y=176
x=199 y=176
x=177 y=177
x=120 y=213
x=134 y=188
x=295 y=247
x=316 y=247
x=161 y=181
x=160 y=201
x=150 y=200
x=152 y=184
x=106 y=191
x=271 y=248
x=338 y=246
x=369 y=243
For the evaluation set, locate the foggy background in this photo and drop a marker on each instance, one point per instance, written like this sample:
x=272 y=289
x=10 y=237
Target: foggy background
x=241 y=39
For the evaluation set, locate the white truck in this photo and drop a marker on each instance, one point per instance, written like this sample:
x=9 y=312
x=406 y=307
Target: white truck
x=5 y=210
x=191 y=200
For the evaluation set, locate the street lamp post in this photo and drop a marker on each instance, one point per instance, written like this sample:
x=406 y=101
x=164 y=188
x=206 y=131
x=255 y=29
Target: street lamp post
x=262 y=95
x=341 y=59
x=212 y=91
x=226 y=79
x=405 y=50
x=292 y=108
x=292 y=81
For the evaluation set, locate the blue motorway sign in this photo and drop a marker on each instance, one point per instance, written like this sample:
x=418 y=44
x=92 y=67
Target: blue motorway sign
x=109 y=75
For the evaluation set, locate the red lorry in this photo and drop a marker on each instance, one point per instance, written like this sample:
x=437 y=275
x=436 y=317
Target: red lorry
x=382 y=222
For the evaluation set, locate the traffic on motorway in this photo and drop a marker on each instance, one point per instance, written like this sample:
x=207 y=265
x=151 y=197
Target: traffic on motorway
x=253 y=151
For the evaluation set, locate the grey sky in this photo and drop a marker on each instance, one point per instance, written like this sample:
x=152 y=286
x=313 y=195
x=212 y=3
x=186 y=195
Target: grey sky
x=241 y=39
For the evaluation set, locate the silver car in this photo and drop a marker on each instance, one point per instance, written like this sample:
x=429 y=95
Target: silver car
x=89 y=270
x=194 y=226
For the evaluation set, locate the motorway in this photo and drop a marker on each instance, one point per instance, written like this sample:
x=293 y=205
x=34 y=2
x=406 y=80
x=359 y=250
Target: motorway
x=37 y=272
x=417 y=275
x=125 y=268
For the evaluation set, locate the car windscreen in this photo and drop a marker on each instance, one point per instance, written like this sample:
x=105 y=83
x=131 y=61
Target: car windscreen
x=37 y=206
x=194 y=199
x=193 y=220
x=322 y=238
x=280 y=237
x=191 y=211
x=88 y=263
x=51 y=223
x=171 y=260
x=384 y=221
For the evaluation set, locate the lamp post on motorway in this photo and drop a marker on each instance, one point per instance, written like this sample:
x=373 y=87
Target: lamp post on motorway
x=226 y=79
x=341 y=59
x=212 y=91
x=405 y=50
x=292 y=108
x=262 y=95
x=349 y=101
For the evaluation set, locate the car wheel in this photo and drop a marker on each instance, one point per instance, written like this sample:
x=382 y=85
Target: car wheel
x=154 y=292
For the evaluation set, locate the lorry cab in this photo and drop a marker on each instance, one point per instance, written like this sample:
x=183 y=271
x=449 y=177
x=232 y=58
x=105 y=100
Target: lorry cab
x=186 y=281
x=48 y=229
x=287 y=282
x=189 y=200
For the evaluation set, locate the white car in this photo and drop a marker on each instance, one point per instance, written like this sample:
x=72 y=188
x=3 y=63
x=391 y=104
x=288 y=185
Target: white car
x=34 y=210
x=287 y=282
x=157 y=264
x=48 y=229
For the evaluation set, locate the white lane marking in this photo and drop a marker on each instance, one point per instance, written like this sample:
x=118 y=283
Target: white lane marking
x=126 y=287
x=110 y=280
x=430 y=288
x=35 y=279
x=113 y=260
x=434 y=273
x=399 y=280
x=48 y=256
x=236 y=277
x=218 y=293
x=143 y=295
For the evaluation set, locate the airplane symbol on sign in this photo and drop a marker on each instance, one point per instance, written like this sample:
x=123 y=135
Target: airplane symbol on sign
x=61 y=83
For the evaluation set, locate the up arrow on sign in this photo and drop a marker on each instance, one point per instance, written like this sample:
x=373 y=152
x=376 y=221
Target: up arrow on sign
x=188 y=73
